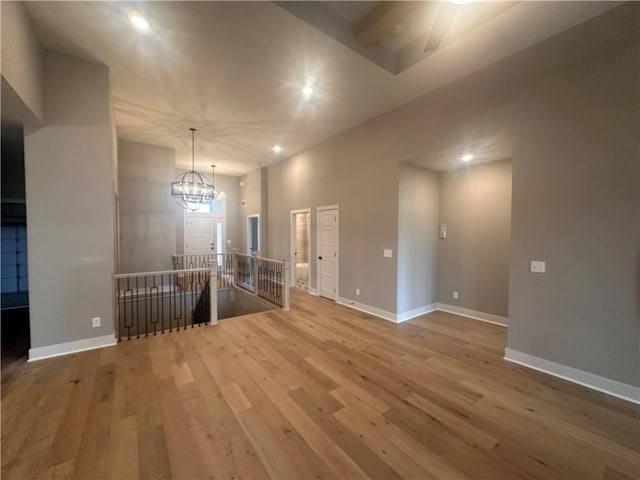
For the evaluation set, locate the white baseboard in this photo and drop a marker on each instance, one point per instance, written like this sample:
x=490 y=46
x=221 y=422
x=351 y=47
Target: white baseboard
x=586 y=379
x=390 y=316
x=361 y=307
x=465 y=312
x=40 y=353
x=416 y=312
x=313 y=291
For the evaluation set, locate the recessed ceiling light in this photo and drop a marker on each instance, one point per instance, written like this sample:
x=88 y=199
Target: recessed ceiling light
x=277 y=148
x=139 y=21
x=467 y=157
x=460 y=2
x=307 y=91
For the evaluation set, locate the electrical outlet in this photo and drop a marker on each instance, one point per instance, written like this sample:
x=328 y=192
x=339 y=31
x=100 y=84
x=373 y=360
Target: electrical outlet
x=357 y=291
x=95 y=321
x=455 y=295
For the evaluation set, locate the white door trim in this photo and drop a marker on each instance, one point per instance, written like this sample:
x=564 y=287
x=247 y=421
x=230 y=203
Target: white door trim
x=249 y=217
x=292 y=243
x=318 y=210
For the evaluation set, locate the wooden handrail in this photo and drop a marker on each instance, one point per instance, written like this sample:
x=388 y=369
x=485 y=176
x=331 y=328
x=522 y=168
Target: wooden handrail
x=177 y=255
x=246 y=255
x=160 y=272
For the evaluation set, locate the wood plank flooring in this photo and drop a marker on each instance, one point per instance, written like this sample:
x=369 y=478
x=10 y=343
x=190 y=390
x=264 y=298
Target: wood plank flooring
x=318 y=392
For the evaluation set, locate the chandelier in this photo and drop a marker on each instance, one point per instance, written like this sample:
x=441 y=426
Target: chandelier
x=192 y=189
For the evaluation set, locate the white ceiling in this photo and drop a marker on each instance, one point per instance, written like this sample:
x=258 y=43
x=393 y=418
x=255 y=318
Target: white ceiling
x=234 y=71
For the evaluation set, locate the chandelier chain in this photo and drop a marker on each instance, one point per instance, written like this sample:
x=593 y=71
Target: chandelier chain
x=192 y=189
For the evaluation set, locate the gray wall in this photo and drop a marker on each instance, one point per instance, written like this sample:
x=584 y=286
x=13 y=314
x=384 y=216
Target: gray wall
x=575 y=206
x=356 y=171
x=569 y=107
x=68 y=169
x=21 y=57
x=253 y=194
x=231 y=187
x=475 y=204
x=417 y=237
x=147 y=216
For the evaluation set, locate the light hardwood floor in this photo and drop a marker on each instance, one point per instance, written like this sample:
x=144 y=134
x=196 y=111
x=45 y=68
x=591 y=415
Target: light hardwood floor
x=318 y=392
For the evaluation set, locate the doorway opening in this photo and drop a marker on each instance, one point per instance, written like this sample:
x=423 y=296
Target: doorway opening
x=204 y=234
x=15 y=275
x=253 y=234
x=328 y=254
x=300 y=247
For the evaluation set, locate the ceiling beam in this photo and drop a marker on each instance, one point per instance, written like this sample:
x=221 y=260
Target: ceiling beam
x=382 y=19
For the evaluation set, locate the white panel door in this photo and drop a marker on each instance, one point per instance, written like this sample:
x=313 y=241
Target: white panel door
x=328 y=253
x=199 y=234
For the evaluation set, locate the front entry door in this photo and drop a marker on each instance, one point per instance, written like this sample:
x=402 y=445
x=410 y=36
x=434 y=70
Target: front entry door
x=199 y=236
x=328 y=252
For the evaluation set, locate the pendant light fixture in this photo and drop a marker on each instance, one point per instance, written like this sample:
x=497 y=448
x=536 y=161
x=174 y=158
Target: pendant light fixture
x=192 y=189
x=217 y=195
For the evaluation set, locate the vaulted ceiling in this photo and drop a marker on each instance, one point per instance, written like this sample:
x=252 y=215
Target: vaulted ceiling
x=235 y=70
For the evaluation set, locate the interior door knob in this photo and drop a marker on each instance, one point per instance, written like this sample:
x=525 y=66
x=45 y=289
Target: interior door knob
x=319 y=258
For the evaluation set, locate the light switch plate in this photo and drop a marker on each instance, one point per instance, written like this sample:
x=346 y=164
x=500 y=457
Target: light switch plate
x=538 y=266
x=388 y=253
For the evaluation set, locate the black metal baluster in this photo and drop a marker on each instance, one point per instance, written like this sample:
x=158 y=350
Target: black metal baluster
x=193 y=305
x=132 y=316
x=162 y=304
x=184 y=307
x=154 y=318
x=137 y=297
x=267 y=290
x=271 y=284
x=146 y=309
x=182 y=302
x=180 y=288
x=280 y=283
x=179 y=300
x=118 y=309
x=198 y=308
x=173 y=301
x=274 y=281
x=125 y=311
